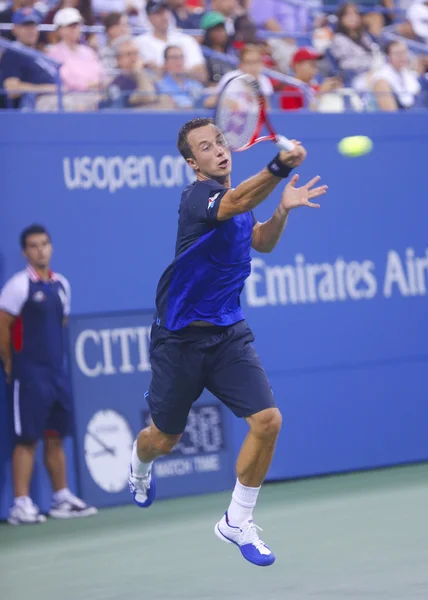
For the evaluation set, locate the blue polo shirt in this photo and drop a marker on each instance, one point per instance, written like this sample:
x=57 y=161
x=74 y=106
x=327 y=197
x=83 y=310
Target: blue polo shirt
x=25 y=68
x=38 y=333
x=212 y=261
x=186 y=95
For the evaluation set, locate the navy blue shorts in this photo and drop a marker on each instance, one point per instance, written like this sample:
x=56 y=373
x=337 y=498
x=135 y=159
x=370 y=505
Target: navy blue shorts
x=220 y=359
x=41 y=405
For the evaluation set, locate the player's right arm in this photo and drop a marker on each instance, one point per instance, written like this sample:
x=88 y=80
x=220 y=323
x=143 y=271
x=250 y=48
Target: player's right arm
x=253 y=191
x=6 y=322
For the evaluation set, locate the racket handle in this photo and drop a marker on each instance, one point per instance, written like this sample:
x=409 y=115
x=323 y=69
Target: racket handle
x=284 y=143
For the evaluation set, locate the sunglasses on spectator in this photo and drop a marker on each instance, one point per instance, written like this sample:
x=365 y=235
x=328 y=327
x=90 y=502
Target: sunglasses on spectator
x=175 y=56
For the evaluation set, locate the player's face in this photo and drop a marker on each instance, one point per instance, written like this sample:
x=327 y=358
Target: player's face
x=38 y=250
x=211 y=155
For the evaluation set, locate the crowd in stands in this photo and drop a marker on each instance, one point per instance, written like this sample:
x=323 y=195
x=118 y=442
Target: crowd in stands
x=322 y=55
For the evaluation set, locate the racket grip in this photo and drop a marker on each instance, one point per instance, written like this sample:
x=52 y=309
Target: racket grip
x=284 y=143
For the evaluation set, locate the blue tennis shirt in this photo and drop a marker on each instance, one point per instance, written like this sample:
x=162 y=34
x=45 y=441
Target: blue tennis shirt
x=212 y=261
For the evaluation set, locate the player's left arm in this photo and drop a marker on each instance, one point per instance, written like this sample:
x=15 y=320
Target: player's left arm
x=267 y=235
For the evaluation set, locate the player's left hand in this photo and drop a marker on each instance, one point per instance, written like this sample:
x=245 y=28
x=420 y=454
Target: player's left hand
x=293 y=197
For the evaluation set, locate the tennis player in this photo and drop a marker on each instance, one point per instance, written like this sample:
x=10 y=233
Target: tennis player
x=200 y=338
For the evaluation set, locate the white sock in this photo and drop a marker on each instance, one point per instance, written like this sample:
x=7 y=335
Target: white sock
x=22 y=500
x=243 y=501
x=139 y=468
x=61 y=495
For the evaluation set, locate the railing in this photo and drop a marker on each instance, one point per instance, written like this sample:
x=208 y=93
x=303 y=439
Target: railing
x=50 y=65
x=137 y=30
x=390 y=34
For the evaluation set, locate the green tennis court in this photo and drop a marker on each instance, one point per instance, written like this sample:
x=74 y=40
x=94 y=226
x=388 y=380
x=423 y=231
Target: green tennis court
x=355 y=536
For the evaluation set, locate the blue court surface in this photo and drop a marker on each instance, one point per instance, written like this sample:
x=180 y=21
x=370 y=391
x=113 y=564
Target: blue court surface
x=355 y=536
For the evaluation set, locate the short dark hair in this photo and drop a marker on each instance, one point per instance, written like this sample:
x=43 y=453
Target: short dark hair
x=172 y=47
x=182 y=143
x=390 y=44
x=112 y=19
x=31 y=230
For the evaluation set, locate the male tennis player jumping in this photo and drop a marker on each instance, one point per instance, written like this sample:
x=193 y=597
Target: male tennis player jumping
x=200 y=338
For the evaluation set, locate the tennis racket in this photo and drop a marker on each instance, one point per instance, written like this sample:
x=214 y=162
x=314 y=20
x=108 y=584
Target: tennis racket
x=240 y=114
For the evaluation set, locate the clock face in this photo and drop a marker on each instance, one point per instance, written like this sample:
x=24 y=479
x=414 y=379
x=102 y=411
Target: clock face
x=108 y=447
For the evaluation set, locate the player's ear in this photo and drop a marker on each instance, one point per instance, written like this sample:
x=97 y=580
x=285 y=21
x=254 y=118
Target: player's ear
x=192 y=164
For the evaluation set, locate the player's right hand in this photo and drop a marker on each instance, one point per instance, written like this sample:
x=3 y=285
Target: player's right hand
x=295 y=157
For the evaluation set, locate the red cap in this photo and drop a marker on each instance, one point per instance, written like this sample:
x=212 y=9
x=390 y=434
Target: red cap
x=305 y=54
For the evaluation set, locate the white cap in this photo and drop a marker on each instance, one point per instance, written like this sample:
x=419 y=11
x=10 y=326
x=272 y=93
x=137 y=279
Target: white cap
x=67 y=16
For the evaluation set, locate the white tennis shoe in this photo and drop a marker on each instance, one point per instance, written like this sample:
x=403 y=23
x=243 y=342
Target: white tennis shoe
x=25 y=512
x=246 y=537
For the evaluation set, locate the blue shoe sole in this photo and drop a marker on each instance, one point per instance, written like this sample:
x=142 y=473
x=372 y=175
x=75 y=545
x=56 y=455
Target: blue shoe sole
x=267 y=563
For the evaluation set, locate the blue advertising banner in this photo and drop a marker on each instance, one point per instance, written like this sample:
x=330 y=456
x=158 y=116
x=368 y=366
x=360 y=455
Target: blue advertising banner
x=110 y=374
x=338 y=308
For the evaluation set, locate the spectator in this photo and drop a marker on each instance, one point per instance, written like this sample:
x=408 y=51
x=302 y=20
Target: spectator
x=23 y=74
x=81 y=69
x=305 y=64
x=417 y=15
x=83 y=6
x=230 y=10
x=152 y=45
x=132 y=87
x=217 y=39
x=85 y=9
x=182 y=16
x=116 y=26
x=184 y=92
x=135 y=9
x=250 y=63
x=374 y=20
x=395 y=85
x=6 y=15
x=354 y=49
x=280 y=16
x=237 y=22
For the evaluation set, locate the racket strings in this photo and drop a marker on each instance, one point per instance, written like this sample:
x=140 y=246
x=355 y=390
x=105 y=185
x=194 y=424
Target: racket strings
x=238 y=113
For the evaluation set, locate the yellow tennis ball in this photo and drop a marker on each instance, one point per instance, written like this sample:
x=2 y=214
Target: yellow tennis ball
x=355 y=145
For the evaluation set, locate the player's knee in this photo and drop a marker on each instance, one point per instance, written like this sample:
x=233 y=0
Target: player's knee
x=267 y=423
x=52 y=442
x=26 y=445
x=165 y=443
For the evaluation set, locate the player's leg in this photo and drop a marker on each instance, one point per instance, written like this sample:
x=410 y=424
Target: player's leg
x=240 y=382
x=55 y=460
x=177 y=381
x=28 y=414
x=151 y=443
x=258 y=448
x=65 y=505
x=22 y=468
